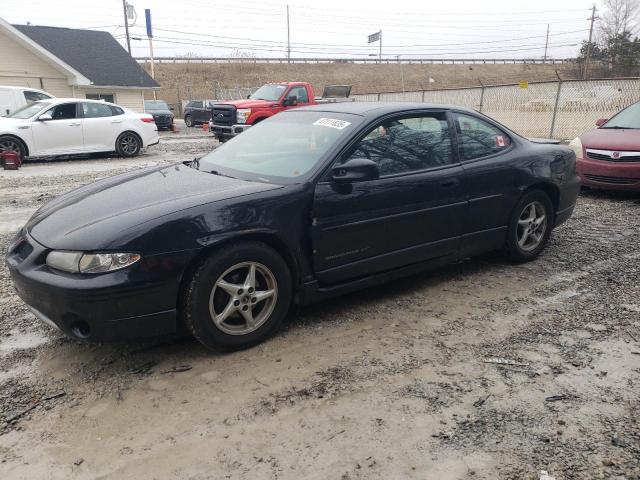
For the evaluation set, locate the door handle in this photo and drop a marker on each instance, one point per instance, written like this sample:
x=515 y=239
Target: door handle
x=454 y=182
x=116 y=121
x=74 y=124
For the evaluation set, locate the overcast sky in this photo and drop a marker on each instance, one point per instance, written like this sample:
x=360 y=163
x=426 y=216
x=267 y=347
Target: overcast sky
x=329 y=28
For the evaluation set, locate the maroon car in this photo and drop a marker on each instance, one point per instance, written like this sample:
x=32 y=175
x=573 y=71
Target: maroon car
x=609 y=156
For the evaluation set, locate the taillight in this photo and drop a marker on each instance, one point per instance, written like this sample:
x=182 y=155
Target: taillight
x=147 y=120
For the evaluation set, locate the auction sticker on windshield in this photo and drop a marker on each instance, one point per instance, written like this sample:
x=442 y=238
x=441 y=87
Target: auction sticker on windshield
x=332 y=122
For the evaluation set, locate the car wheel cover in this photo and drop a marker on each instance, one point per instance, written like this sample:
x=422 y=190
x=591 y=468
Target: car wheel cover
x=243 y=298
x=532 y=226
x=188 y=121
x=129 y=144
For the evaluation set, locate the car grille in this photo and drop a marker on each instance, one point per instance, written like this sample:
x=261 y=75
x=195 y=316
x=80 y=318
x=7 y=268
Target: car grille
x=224 y=115
x=164 y=119
x=616 y=180
x=608 y=156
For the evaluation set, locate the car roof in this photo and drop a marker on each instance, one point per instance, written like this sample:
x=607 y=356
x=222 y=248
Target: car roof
x=376 y=109
x=71 y=99
x=8 y=87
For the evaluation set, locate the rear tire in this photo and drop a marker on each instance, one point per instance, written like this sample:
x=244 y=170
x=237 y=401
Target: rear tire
x=530 y=226
x=224 y=310
x=128 y=145
x=12 y=144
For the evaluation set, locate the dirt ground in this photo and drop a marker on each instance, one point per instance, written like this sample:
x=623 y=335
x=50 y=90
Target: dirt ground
x=395 y=382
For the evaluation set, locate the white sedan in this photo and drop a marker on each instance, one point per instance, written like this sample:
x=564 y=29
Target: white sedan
x=68 y=126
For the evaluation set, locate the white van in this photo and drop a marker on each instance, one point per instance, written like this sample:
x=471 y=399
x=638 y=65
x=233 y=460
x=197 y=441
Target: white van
x=13 y=98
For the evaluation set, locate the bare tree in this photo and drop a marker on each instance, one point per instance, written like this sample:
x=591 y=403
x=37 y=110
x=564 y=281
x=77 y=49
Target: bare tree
x=619 y=16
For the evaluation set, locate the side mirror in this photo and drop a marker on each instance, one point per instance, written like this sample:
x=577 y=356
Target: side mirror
x=45 y=117
x=249 y=96
x=601 y=122
x=355 y=170
x=171 y=108
x=290 y=101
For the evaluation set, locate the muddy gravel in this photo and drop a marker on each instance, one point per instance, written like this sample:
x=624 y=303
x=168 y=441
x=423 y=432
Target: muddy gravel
x=479 y=370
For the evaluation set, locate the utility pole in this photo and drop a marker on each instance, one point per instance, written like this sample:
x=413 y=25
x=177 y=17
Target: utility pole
x=126 y=25
x=586 y=63
x=288 y=38
x=546 y=45
x=380 y=54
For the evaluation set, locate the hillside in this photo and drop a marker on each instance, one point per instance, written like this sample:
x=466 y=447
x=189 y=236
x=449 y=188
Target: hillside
x=182 y=81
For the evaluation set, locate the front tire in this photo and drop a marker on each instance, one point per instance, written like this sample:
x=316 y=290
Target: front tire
x=530 y=226
x=237 y=297
x=128 y=145
x=12 y=144
x=188 y=121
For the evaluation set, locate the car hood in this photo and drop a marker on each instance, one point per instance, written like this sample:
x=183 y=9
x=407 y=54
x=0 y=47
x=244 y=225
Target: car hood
x=612 y=139
x=159 y=112
x=249 y=103
x=100 y=215
x=6 y=122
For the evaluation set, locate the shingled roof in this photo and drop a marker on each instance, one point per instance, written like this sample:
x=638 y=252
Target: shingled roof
x=96 y=55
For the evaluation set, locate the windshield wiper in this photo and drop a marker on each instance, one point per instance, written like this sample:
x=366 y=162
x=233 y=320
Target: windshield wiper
x=617 y=127
x=216 y=172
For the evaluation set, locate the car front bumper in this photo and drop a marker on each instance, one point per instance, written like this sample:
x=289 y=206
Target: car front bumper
x=138 y=301
x=609 y=175
x=227 y=131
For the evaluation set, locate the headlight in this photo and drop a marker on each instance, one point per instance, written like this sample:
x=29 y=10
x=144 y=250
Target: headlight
x=78 y=262
x=242 y=115
x=576 y=146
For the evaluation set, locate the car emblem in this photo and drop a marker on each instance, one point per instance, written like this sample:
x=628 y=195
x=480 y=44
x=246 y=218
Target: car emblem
x=615 y=155
x=220 y=115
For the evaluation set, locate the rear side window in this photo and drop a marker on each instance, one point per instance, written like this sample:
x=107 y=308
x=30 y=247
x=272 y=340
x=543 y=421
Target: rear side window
x=116 y=110
x=31 y=96
x=95 y=110
x=477 y=138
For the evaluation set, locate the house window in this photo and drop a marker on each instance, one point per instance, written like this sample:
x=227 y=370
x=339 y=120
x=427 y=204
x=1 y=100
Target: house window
x=107 y=97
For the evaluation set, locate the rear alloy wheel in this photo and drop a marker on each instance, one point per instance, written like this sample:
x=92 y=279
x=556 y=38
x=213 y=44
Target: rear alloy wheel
x=11 y=144
x=128 y=145
x=237 y=297
x=530 y=226
x=188 y=121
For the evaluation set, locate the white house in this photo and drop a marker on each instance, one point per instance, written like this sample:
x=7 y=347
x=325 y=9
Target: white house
x=67 y=62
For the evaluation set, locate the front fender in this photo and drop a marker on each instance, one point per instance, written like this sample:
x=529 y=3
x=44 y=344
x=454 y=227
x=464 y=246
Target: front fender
x=258 y=116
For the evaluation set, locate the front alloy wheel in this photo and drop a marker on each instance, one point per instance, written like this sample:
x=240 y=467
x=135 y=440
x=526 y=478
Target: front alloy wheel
x=237 y=296
x=243 y=298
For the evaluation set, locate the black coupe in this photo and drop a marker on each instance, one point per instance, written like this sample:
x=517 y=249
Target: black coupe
x=311 y=203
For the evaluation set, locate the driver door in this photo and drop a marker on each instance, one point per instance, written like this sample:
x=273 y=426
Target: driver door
x=414 y=212
x=60 y=135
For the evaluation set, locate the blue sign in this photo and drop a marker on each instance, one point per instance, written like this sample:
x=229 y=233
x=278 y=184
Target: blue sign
x=147 y=16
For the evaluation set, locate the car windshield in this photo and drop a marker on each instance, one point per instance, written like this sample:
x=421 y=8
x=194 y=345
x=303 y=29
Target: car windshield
x=29 y=111
x=155 y=105
x=271 y=93
x=281 y=149
x=627 y=118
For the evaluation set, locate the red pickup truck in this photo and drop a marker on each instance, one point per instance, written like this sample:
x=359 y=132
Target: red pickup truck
x=231 y=118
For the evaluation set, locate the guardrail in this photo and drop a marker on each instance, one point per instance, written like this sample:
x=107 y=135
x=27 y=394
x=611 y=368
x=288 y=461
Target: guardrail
x=450 y=61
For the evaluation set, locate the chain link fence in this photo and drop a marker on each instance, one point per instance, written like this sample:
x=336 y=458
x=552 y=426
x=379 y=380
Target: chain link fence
x=561 y=110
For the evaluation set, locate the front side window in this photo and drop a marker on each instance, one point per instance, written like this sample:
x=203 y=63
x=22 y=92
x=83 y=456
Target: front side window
x=407 y=145
x=66 y=111
x=95 y=110
x=264 y=153
x=31 y=96
x=300 y=93
x=477 y=138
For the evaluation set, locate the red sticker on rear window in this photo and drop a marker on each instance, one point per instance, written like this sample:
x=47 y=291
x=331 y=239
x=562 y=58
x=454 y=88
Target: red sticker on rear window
x=500 y=141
